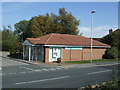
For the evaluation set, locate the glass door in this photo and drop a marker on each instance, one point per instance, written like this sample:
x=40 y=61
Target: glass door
x=54 y=54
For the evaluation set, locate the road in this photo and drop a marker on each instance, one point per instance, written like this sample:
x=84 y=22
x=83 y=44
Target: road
x=22 y=75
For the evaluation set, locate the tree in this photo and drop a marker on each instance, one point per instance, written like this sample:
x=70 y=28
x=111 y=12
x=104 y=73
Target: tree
x=68 y=22
x=64 y=23
x=9 y=39
x=22 y=30
x=112 y=53
x=41 y=25
x=113 y=39
x=35 y=26
x=56 y=26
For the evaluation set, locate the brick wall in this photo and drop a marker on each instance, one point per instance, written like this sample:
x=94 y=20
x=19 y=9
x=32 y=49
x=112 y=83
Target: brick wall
x=78 y=55
x=97 y=53
x=46 y=54
x=71 y=55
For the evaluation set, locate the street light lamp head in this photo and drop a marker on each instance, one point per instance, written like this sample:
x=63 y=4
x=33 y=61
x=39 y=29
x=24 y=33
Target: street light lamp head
x=93 y=11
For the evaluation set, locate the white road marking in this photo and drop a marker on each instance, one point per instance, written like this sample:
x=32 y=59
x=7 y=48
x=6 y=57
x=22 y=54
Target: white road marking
x=27 y=68
x=32 y=70
x=43 y=80
x=12 y=73
x=22 y=72
x=37 y=70
x=0 y=68
x=52 y=69
x=44 y=69
x=100 y=72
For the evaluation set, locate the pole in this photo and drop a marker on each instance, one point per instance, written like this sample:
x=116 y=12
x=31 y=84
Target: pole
x=91 y=38
x=36 y=53
x=23 y=52
x=91 y=53
x=70 y=54
x=29 y=52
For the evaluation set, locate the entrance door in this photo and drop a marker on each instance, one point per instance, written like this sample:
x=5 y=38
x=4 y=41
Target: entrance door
x=54 y=54
x=40 y=53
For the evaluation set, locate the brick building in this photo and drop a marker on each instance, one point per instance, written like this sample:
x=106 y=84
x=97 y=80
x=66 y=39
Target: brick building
x=50 y=47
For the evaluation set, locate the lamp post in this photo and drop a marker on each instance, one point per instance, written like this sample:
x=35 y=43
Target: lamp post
x=93 y=11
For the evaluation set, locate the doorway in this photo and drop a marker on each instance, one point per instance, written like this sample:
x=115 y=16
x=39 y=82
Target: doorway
x=54 y=53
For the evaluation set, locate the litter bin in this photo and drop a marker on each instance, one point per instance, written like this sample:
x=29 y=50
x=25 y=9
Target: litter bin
x=58 y=60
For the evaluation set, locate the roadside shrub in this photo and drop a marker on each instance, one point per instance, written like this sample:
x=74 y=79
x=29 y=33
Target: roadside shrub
x=111 y=53
x=17 y=55
x=119 y=54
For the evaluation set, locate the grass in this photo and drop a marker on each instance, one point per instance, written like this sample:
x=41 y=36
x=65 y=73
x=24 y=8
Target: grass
x=88 y=61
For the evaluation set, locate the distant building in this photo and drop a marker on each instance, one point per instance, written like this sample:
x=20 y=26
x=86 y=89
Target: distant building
x=110 y=31
x=97 y=39
x=50 y=47
x=100 y=39
x=115 y=31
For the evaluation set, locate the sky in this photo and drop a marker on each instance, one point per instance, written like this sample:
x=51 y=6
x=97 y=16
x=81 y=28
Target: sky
x=105 y=18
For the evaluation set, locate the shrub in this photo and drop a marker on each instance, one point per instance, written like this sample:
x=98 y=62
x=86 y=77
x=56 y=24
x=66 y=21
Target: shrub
x=111 y=53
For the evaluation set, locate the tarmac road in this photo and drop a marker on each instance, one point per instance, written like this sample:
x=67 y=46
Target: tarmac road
x=22 y=75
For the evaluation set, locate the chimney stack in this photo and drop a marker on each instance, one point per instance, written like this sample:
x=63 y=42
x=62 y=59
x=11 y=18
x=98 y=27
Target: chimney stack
x=110 y=31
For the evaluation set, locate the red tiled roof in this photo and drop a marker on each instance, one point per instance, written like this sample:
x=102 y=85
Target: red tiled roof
x=64 y=39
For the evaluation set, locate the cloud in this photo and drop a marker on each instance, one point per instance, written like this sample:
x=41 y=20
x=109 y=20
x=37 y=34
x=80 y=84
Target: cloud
x=84 y=29
x=99 y=31
x=101 y=28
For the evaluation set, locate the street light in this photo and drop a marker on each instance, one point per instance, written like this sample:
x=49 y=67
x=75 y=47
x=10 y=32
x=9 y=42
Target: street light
x=93 y=11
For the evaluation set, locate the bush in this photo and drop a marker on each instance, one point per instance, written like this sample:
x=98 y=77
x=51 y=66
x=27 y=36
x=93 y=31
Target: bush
x=17 y=55
x=111 y=53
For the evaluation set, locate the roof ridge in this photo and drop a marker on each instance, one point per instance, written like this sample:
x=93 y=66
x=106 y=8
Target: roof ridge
x=64 y=39
x=34 y=39
x=70 y=35
x=49 y=38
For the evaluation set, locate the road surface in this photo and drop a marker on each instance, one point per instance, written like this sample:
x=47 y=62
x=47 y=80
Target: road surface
x=22 y=75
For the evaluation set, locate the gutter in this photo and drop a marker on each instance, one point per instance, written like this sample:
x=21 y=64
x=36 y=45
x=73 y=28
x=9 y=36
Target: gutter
x=77 y=46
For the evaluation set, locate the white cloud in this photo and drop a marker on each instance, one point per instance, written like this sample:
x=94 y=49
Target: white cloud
x=99 y=31
x=84 y=29
x=101 y=28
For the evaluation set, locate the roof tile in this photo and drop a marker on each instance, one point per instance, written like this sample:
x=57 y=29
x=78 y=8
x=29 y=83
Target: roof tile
x=64 y=39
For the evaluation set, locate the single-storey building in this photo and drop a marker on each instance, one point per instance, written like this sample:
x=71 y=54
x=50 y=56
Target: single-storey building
x=50 y=47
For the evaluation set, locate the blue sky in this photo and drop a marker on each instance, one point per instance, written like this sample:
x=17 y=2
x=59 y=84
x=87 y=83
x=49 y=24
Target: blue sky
x=105 y=18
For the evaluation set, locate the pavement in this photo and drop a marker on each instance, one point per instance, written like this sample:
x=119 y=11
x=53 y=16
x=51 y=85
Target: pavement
x=41 y=63
x=62 y=64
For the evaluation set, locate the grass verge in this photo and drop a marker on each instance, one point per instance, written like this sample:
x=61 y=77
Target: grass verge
x=88 y=61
